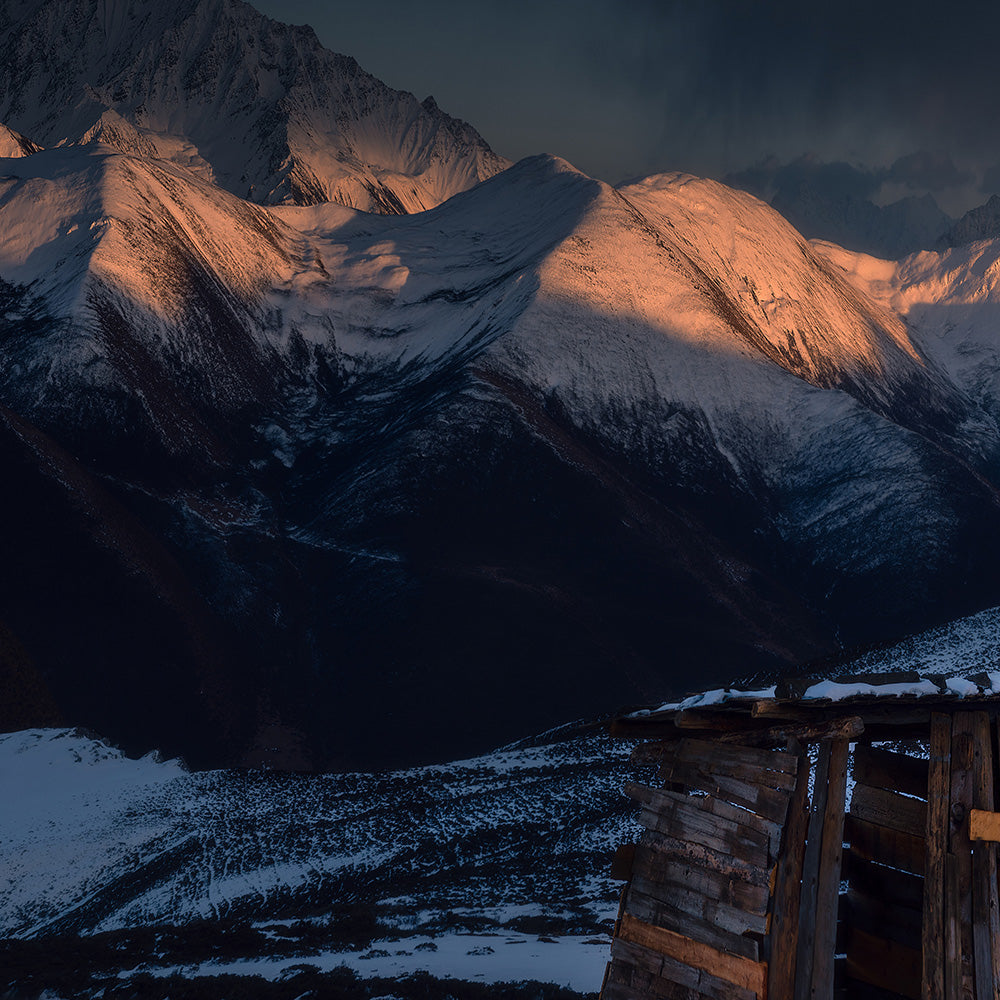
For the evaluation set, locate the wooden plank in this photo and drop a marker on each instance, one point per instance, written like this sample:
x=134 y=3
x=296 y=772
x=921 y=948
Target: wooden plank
x=733 y=757
x=751 y=764
x=828 y=885
x=893 y=771
x=739 y=971
x=883 y=963
x=810 y=879
x=848 y=728
x=880 y=881
x=952 y=930
x=889 y=809
x=770 y=803
x=884 y=917
x=715 y=861
x=674 y=915
x=938 y=792
x=985 y=915
x=718 y=721
x=700 y=829
x=888 y=847
x=683 y=873
x=788 y=886
x=707 y=803
x=670 y=978
x=959 y=845
x=689 y=903
x=984 y=824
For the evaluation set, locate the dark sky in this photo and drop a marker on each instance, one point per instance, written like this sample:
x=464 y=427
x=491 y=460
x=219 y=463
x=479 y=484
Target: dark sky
x=622 y=88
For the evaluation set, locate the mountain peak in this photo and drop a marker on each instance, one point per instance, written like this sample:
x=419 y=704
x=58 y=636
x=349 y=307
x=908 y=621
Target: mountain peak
x=256 y=106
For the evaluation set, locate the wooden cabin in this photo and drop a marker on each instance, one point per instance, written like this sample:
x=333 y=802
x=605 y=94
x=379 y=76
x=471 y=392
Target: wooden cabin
x=832 y=841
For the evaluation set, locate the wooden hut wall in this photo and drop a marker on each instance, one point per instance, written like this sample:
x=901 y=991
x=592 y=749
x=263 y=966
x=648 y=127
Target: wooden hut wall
x=696 y=914
x=733 y=887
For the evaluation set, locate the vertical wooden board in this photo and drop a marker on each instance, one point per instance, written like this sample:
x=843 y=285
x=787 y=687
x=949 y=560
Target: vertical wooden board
x=810 y=879
x=959 y=845
x=788 y=886
x=952 y=930
x=828 y=881
x=985 y=920
x=938 y=791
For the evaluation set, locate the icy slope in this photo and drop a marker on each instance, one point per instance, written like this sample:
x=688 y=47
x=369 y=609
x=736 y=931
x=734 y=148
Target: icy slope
x=257 y=107
x=94 y=841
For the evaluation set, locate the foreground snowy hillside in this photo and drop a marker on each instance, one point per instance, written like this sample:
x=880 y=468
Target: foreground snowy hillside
x=446 y=860
x=257 y=107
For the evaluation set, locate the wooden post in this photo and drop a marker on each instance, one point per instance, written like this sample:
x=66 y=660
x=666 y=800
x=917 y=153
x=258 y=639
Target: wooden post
x=828 y=883
x=810 y=879
x=985 y=910
x=787 y=894
x=960 y=849
x=933 y=932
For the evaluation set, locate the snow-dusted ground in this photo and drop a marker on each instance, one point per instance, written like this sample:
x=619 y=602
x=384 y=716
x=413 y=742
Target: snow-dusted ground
x=574 y=961
x=476 y=863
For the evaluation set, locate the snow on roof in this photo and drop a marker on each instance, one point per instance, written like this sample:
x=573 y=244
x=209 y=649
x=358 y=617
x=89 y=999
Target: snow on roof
x=823 y=692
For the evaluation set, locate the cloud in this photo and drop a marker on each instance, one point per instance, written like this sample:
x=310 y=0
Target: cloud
x=923 y=170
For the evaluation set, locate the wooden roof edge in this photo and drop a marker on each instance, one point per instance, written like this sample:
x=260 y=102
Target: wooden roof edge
x=753 y=716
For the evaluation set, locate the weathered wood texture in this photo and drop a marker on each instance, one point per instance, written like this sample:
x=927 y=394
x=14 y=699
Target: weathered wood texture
x=985 y=915
x=960 y=849
x=884 y=963
x=934 y=919
x=806 y=945
x=701 y=875
x=788 y=886
x=828 y=882
x=735 y=969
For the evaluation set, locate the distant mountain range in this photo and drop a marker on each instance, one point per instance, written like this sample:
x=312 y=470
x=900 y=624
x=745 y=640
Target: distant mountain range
x=296 y=483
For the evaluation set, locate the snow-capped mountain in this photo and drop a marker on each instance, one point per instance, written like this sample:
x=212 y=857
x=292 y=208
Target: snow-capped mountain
x=330 y=459
x=980 y=223
x=259 y=108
